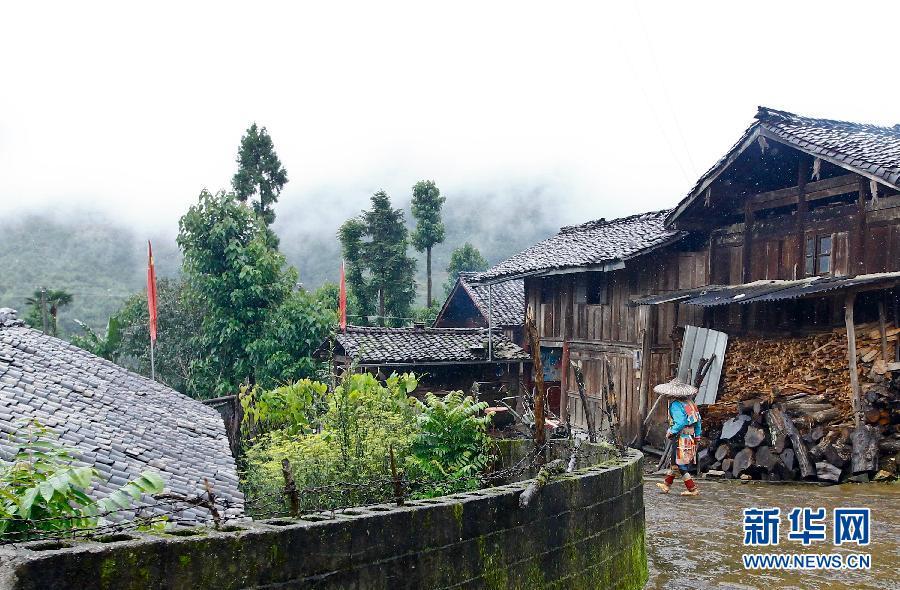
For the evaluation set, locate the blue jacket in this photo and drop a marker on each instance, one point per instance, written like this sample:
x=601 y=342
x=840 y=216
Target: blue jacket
x=683 y=415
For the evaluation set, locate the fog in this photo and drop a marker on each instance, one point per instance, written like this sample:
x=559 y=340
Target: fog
x=527 y=115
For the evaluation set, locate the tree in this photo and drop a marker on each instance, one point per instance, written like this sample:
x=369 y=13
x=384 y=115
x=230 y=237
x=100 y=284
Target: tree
x=106 y=346
x=374 y=246
x=178 y=350
x=238 y=279
x=55 y=299
x=260 y=173
x=426 y=208
x=466 y=258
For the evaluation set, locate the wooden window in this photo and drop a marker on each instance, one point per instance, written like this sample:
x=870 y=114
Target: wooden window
x=810 y=256
x=823 y=255
x=597 y=289
x=818 y=254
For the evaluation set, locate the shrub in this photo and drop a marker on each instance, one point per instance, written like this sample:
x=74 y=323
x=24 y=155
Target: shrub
x=451 y=447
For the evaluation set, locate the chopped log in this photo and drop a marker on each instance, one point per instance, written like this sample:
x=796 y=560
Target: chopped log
x=891 y=446
x=776 y=430
x=766 y=458
x=805 y=409
x=807 y=469
x=873 y=416
x=822 y=416
x=748 y=406
x=827 y=472
x=850 y=299
x=838 y=454
x=727 y=465
x=552 y=468
x=704 y=460
x=818 y=451
x=808 y=399
x=754 y=437
x=787 y=459
x=735 y=428
x=723 y=452
x=742 y=462
x=864 y=456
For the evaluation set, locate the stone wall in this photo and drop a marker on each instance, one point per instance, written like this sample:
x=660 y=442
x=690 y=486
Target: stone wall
x=585 y=530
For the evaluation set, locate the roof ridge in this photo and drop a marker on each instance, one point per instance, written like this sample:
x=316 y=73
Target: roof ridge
x=763 y=113
x=603 y=222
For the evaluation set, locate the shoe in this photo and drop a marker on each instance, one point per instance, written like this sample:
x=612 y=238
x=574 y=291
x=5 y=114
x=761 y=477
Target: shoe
x=663 y=487
x=694 y=492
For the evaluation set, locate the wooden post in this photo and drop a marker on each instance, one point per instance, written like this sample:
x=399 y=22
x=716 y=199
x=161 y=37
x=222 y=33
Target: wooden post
x=534 y=342
x=211 y=504
x=587 y=410
x=644 y=392
x=882 y=329
x=290 y=487
x=748 y=238
x=802 y=209
x=564 y=384
x=851 y=356
x=398 y=485
x=860 y=227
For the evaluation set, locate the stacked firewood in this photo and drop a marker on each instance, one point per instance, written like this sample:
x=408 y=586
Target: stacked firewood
x=785 y=409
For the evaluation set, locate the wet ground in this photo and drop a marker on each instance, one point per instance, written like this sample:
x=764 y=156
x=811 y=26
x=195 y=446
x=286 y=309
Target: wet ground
x=697 y=542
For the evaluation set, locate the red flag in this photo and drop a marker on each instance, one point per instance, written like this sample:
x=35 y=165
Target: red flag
x=342 y=302
x=151 y=291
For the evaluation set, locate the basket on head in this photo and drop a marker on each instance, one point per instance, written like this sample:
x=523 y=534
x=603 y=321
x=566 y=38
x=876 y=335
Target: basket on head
x=675 y=389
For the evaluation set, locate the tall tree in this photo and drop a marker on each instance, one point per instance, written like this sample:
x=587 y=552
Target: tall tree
x=54 y=299
x=237 y=278
x=466 y=258
x=379 y=269
x=426 y=208
x=260 y=173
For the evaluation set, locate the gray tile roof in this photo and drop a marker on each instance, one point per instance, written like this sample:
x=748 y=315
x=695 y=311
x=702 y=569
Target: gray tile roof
x=420 y=345
x=117 y=421
x=596 y=244
x=870 y=150
x=506 y=301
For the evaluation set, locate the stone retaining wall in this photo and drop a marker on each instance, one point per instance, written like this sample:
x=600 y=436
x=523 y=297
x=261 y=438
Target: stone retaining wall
x=585 y=530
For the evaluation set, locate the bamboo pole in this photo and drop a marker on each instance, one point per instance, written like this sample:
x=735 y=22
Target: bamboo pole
x=849 y=300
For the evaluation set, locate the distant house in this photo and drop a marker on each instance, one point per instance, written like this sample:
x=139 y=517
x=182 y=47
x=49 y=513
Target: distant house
x=474 y=305
x=447 y=359
x=112 y=419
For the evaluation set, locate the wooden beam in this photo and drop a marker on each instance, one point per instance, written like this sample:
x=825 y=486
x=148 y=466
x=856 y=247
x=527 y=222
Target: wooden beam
x=812 y=191
x=859 y=266
x=748 y=238
x=646 y=348
x=855 y=398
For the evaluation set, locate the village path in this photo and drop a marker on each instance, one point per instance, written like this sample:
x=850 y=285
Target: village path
x=697 y=542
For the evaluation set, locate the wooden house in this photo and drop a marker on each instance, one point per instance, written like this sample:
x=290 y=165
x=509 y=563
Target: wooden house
x=472 y=304
x=795 y=229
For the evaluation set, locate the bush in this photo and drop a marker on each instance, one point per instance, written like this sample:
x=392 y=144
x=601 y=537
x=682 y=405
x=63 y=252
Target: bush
x=451 y=447
x=348 y=457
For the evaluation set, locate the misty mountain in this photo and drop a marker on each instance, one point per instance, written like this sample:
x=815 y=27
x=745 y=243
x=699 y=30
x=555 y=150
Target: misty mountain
x=102 y=262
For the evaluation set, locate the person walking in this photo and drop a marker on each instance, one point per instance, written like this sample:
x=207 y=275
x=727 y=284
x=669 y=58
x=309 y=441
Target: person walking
x=684 y=430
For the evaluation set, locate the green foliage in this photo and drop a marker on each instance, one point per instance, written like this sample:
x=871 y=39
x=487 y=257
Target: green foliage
x=426 y=209
x=363 y=421
x=290 y=336
x=260 y=173
x=452 y=443
x=378 y=267
x=293 y=409
x=178 y=351
x=426 y=315
x=41 y=490
x=55 y=300
x=238 y=279
x=466 y=258
x=107 y=346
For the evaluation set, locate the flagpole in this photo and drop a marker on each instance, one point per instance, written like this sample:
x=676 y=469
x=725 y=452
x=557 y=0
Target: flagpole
x=152 y=359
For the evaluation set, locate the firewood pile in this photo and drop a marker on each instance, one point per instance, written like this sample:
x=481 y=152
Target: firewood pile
x=785 y=408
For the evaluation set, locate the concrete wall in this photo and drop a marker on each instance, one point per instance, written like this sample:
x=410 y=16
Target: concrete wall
x=585 y=530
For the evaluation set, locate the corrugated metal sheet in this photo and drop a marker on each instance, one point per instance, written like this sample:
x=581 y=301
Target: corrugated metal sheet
x=702 y=343
x=759 y=291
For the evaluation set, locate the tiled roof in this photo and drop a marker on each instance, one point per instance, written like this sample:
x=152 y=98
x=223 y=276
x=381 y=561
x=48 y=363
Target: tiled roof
x=870 y=150
x=367 y=345
x=506 y=301
x=591 y=244
x=115 y=420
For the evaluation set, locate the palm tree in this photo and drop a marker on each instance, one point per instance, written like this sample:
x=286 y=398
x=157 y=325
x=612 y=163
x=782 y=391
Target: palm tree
x=56 y=299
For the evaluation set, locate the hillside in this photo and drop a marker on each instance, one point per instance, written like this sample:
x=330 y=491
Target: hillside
x=102 y=262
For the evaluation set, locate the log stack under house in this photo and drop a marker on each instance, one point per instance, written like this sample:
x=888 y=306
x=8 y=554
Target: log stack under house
x=788 y=249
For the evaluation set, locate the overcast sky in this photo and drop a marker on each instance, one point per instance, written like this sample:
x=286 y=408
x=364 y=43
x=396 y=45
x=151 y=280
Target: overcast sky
x=613 y=110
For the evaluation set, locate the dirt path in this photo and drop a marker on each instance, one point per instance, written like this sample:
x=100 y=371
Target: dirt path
x=697 y=542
